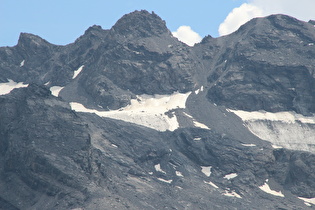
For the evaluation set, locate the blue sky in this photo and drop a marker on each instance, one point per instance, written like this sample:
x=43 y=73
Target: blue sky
x=61 y=22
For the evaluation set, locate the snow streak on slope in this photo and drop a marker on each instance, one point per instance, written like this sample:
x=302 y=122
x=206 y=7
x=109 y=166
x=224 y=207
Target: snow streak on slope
x=22 y=63
x=267 y=189
x=231 y=194
x=6 y=88
x=230 y=176
x=286 y=129
x=77 y=72
x=197 y=124
x=146 y=110
x=308 y=201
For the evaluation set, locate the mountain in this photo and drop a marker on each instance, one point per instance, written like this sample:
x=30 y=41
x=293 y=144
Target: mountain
x=132 y=118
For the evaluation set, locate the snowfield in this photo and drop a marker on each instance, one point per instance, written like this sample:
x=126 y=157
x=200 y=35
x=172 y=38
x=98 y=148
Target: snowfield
x=283 y=129
x=146 y=110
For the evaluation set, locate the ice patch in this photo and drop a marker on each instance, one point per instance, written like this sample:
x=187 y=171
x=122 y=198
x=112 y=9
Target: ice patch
x=232 y=194
x=212 y=184
x=287 y=117
x=230 y=176
x=6 y=88
x=197 y=139
x=164 y=180
x=158 y=168
x=55 y=90
x=47 y=83
x=206 y=170
x=178 y=173
x=267 y=189
x=22 y=63
x=114 y=145
x=308 y=201
x=146 y=110
x=77 y=72
x=249 y=145
x=276 y=127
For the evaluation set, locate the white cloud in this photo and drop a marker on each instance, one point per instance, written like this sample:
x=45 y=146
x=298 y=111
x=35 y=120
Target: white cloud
x=187 y=35
x=238 y=17
x=301 y=9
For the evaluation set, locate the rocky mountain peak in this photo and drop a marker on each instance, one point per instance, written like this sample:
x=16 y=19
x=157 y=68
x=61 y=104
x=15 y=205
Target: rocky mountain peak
x=27 y=40
x=140 y=24
x=95 y=31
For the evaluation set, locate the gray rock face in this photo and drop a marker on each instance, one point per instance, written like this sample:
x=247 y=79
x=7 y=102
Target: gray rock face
x=52 y=157
x=269 y=63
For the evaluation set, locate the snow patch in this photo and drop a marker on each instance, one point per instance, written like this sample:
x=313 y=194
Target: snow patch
x=22 y=63
x=55 y=90
x=276 y=146
x=200 y=125
x=164 y=180
x=287 y=117
x=249 y=145
x=146 y=110
x=158 y=168
x=212 y=184
x=178 y=173
x=308 y=201
x=197 y=124
x=206 y=170
x=6 y=88
x=77 y=72
x=199 y=90
x=232 y=194
x=267 y=189
x=230 y=176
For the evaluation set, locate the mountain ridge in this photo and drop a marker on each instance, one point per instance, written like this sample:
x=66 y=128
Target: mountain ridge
x=84 y=132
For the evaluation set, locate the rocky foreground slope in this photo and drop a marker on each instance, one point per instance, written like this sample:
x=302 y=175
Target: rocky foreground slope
x=131 y=118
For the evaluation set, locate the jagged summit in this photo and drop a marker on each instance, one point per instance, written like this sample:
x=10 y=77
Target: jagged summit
x=140 y=23
x=30 y=40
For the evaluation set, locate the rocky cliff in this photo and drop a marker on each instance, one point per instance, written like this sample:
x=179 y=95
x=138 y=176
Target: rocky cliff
x=131 y=118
